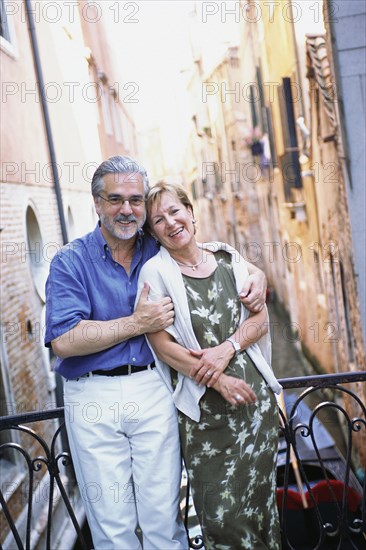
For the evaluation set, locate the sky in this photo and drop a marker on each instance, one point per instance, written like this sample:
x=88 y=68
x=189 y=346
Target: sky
x=156 y=46
x=154 y=38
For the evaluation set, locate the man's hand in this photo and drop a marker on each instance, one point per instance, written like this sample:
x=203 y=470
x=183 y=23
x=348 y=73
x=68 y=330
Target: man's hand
x=211 y=362
x=235 y=391
x=153 y=316
x=253 y=293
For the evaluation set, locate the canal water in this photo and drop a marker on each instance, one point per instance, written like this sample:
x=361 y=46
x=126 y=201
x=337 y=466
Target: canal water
x=288 y=361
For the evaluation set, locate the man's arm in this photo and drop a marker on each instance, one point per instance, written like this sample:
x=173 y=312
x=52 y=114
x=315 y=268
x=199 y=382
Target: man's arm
x=253 y=293
x=148 y=317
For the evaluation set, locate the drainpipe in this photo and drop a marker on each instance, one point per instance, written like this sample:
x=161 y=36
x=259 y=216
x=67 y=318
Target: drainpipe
x=46 y=118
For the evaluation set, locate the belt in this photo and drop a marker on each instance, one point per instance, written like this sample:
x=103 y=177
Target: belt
x=123 y=370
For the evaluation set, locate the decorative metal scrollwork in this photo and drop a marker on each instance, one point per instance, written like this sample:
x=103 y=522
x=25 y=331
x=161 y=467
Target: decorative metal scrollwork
x=325 y=509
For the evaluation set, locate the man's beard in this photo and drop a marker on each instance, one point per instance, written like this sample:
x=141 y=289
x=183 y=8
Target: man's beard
x=117 y=230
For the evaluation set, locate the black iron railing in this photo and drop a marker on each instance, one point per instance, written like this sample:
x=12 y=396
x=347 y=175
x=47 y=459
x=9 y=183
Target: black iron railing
x=321 y=501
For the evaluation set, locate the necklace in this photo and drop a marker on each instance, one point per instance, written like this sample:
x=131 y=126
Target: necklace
x=193 y=267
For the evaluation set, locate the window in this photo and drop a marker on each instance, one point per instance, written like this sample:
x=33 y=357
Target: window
x=290 y=165
x=262 y=119
x=4 y=25
x=271 y=136
x=6 y=30
x=262 y=107
x=38 y=265
x=253 y=98
x=257 y=105
x=39 y=270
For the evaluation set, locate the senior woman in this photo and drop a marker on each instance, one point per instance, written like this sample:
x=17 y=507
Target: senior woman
x=221 y=378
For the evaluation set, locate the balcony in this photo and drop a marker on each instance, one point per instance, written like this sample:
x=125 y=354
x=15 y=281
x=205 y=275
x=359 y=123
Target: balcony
x=321 y=501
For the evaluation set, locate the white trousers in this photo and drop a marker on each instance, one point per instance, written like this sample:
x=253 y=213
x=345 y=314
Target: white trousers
x=124 y=441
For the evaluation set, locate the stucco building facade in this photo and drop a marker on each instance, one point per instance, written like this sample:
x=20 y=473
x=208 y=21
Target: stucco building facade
x=295 y=206
x=62 y=113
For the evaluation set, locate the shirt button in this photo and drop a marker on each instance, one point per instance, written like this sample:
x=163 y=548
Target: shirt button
x=133 y=359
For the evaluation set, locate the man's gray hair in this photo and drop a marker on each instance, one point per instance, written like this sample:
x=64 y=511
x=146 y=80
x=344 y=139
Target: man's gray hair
x=117 y=165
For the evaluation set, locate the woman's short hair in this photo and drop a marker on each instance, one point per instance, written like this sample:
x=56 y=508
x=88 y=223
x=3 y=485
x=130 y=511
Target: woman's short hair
x=155 y=193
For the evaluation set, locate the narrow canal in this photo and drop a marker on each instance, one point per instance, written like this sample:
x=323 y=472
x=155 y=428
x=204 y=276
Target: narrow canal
x=288 y=361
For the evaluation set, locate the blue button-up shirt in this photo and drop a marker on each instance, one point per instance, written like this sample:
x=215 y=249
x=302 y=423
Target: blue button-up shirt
x=85 y=283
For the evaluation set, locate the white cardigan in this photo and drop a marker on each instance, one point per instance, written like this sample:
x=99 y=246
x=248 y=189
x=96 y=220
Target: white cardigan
x=165 y=279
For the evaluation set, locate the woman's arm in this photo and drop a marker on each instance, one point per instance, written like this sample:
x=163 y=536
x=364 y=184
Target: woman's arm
x=233 y=390
x=213 y=361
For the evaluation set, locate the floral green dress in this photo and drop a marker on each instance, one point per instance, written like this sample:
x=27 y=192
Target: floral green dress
x=230 y=454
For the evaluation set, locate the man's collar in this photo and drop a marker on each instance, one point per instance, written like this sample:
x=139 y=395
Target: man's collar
x=140 y=236
x=98 y=236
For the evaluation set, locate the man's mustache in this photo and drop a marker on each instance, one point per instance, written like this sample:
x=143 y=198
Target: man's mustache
x=122 y=218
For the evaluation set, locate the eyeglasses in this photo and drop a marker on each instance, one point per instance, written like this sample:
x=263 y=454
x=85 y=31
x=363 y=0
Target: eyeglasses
x=133 y=201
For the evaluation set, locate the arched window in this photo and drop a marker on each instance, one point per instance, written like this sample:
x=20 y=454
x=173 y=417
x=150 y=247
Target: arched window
x=39 y=269
x=35 y=248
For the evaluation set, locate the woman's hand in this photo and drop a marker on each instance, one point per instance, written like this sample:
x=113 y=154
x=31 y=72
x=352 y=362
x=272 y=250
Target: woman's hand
x=235 y=391
x=211 y=363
